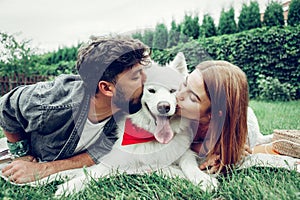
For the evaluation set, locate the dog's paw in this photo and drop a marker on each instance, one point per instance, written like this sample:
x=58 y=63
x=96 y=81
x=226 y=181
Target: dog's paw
x=205 y=181
x=70 y=187
x=209 y=183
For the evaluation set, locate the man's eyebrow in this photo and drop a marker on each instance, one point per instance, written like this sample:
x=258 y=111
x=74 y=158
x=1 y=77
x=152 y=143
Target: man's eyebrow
x=137 y=71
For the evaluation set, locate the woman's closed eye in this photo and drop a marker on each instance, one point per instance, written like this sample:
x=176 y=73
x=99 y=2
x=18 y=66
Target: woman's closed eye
x=194 y=98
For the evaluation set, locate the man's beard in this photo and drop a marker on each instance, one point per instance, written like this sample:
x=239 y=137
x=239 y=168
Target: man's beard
x=130 y=106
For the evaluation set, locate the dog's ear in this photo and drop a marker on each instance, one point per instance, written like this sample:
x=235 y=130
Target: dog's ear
x=179 y=64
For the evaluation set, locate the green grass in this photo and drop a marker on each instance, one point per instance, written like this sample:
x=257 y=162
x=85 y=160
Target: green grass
x=253 y=183
x=277 y=115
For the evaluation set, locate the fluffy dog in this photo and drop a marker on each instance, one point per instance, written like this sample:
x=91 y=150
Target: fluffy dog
x=152 y=139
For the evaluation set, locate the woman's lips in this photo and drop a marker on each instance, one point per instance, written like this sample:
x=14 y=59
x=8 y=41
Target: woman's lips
x=177 y=108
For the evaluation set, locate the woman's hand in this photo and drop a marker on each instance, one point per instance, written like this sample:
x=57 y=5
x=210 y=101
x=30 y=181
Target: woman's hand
x=247 y=151
x=212 y=164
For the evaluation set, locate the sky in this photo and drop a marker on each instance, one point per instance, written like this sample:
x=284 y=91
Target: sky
x=51 y=24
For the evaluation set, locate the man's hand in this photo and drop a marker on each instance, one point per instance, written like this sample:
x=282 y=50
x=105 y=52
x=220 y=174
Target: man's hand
x=26 y=169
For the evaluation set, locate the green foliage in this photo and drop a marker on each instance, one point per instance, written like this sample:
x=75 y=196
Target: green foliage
x=183 y=38
x=227 y=23
x=273 y=15
x=16 y=57
x=62 y=67
x=193 y=51
x=190 y=26
x=62 y=54
x=271 y=89
x=160 y=36
x=137 y=35
x=148 y=37
x=294 y=13
x=208 y=28
x=243 y=20
x=249 y=17
x=273 y=52
x=174 y=34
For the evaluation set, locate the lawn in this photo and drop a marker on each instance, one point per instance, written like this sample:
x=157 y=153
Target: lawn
x=252 y=183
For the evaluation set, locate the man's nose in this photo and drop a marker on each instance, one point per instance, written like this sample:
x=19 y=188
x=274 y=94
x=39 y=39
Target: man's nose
x=144 y=77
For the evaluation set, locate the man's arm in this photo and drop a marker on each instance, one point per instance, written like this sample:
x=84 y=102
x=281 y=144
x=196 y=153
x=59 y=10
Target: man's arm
x=21 y=171
x=25 y=169
x=12 y=137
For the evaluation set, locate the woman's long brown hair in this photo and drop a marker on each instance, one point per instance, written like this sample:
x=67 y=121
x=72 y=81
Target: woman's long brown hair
x=227 y=88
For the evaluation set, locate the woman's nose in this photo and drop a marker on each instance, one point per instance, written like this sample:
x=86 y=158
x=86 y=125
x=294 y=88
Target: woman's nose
x=179 y=96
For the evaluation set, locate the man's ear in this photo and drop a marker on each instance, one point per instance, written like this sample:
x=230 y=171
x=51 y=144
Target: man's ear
x=106 y=88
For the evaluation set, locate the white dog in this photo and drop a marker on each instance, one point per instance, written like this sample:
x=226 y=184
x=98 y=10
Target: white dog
x=152 y=139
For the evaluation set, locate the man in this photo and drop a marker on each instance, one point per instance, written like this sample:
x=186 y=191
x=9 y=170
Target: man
x=70 y=122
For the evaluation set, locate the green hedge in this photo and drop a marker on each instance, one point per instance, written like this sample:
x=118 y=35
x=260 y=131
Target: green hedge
x=272 y=52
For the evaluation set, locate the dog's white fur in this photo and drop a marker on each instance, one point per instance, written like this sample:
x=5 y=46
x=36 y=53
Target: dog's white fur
x=150 y=156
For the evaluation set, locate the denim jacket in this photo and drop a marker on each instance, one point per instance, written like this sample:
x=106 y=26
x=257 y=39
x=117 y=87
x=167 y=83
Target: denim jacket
x=52 y=116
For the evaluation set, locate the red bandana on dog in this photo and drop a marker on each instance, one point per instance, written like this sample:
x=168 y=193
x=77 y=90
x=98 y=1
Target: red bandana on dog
x=135 y=135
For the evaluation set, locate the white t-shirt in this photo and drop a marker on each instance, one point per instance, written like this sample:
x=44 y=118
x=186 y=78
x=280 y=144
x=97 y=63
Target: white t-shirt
x=91 y=132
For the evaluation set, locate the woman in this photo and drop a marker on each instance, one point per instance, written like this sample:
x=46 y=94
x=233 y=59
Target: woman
x=215 y=97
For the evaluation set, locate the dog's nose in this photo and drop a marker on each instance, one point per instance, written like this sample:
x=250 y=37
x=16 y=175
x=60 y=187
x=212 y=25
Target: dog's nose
x=163 y=107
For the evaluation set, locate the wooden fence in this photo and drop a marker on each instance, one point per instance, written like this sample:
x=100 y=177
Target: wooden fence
x=8 y=83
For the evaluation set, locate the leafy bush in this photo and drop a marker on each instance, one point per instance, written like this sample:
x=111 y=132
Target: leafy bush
x=271 y=89
x=273 y=52
x=62 y=67
x=16 y=56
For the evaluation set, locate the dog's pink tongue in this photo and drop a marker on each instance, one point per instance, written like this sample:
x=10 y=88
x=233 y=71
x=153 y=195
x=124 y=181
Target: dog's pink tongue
x=163 y=132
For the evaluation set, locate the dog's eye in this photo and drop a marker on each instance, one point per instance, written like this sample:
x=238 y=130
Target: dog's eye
x=151 y=90
x=172 y=90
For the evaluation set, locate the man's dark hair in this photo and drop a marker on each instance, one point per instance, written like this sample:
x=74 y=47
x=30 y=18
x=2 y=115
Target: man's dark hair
x=106 y=57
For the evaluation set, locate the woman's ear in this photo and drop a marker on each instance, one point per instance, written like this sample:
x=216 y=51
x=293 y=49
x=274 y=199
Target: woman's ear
x=106 y=88
x=220 y=113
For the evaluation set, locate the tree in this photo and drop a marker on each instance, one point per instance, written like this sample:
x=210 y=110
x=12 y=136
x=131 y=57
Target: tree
x=294 y=13
x=208 y=27
x=273 y=15
x=148 y=37
x=174 y=34
x=160 y=39
x=227 y=24
x=137 y=35
x=254 y=15
x=16 y=57
x=243 y=18
x=190 y=26
x=249 y=17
